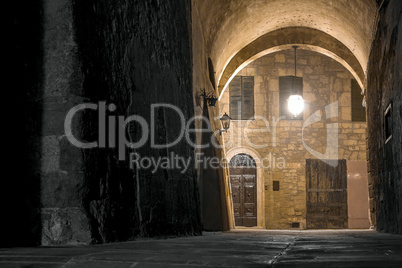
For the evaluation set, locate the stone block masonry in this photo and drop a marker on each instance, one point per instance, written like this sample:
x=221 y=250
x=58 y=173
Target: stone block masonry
x=325 y=81
x=131 y=54
x=384 y=88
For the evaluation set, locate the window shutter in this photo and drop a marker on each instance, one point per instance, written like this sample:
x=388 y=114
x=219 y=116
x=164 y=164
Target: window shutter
x=298 y=85
x=358 y=111
x=247 y=97
x=285 y=87
x=285 y=90
x=235 y=97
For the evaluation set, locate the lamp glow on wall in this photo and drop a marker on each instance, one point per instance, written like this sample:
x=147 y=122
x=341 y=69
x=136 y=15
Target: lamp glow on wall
x=295 y=101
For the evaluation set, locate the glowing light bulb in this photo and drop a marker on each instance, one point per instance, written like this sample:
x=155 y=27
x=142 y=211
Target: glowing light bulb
x=295 y=104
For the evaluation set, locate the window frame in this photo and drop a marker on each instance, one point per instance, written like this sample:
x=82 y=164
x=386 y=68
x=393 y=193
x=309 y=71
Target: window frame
x=242 y=89
x=354 y=85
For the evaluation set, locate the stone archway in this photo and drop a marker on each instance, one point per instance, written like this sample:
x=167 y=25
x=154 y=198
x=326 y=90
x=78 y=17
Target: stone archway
x=260 y=180
x=243 y=185
x=306 y=38
x=227 y=26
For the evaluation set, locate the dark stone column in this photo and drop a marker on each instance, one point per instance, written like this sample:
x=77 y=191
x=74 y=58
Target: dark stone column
x=64 y=220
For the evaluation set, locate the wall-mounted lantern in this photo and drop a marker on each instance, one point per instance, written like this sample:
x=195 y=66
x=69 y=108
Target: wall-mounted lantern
x=210 y=98
x=295 y=101
x=225 y=120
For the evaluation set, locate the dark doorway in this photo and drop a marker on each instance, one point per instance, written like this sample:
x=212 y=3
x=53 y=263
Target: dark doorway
x=243 y=174
x=327 y=206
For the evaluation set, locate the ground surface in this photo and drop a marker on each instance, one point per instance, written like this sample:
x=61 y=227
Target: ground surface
x=241 y=248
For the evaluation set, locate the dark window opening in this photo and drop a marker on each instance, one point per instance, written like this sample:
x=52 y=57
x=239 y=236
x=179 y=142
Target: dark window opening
x=295 y=224
x=211 y=72
x=388 y=123
x=275 y=185
x=358 y=111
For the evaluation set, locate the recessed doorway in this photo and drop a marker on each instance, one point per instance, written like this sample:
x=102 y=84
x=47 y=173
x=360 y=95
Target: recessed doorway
x=243 y=180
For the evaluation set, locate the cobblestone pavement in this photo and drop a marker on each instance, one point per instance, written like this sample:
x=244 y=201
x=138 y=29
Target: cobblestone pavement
x=240 y=248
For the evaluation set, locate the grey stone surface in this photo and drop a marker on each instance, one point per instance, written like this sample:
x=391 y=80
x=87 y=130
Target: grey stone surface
x=132 y=54
x=69 y=52
x=241 y=248
x=384 y=87
x=64 y=226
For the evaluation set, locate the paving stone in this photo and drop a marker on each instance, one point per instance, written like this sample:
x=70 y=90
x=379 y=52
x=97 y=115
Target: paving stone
x=238 y=248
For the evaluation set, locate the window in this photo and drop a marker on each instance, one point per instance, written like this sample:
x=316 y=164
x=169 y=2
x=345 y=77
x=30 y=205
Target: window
x=242 y=160
x=286 y=85
x=211 y=72
x=358 y=111
x=241 y=94
x=388 y=123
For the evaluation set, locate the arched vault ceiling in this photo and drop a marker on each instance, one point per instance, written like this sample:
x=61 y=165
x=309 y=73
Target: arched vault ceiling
x=305 y=38
x=230 y=25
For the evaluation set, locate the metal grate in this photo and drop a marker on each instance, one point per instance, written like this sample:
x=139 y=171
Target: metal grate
x=242 y=160
x=295 y=224
x=275 y=185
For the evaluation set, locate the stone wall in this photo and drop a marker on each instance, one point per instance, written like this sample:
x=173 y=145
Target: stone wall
x=135 y=55
x=19 y=192
x=214 y=193
x=384 y=87
x=281 y=141
x=62 y=168
x=130 y=54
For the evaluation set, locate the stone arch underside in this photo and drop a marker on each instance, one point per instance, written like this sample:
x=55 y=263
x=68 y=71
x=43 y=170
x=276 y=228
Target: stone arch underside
x=228 y=26
x=224 y=29
x=305 y=38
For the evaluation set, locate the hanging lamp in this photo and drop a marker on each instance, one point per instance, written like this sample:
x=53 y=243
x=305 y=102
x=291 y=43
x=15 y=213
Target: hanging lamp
x=295 y=101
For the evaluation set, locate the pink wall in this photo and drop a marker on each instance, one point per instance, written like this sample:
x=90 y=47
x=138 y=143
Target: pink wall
x=358 y=207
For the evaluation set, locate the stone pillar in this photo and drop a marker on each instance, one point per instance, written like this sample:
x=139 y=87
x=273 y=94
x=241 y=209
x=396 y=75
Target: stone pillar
x=62 y=169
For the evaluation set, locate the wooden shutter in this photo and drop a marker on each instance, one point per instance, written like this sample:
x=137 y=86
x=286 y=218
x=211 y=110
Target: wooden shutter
x=285 y=90
x=235 y=98
x=241 y=98
x=327 y=204
x=358 y=111
x=247 y=97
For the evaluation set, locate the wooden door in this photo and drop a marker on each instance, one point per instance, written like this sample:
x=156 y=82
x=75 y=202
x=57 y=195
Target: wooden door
x=327 y=206
x=244 y=191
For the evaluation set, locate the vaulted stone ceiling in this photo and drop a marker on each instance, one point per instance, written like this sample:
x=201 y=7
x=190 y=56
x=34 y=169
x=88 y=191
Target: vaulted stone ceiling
x=230 y=25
